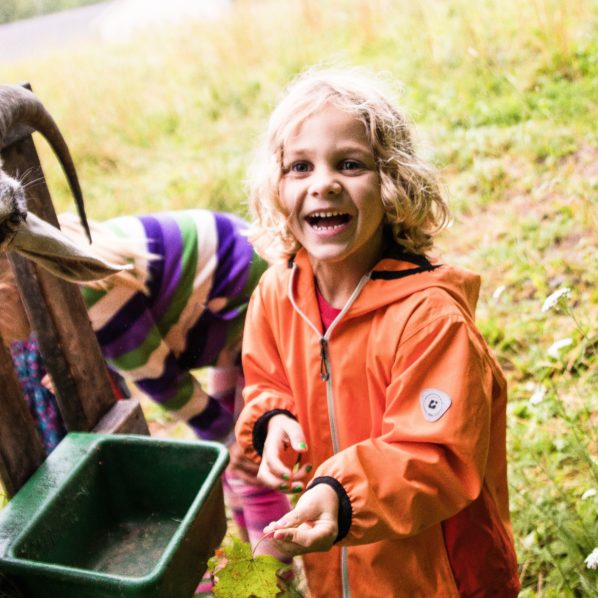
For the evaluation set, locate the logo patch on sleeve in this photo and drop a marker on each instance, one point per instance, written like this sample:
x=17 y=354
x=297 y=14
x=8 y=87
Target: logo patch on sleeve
x=434 y=403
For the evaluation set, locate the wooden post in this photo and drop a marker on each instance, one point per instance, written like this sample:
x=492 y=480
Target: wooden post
x=57 y=313
x=68 y=346
x=21 y=450
x=67 y=341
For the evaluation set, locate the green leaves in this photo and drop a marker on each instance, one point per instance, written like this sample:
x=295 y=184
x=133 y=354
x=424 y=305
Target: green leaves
x=241 y=575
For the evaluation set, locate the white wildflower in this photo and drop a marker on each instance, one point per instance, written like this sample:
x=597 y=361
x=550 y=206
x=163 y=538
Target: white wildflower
x=591 y=560
x=555 y=349
x=553 y=299
x=589 y=493
x=530 y=540
x=539 y=394
x=559 y=444
x=498 y=292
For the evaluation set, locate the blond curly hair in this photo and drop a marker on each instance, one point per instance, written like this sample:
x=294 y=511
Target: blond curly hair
x=415 y=209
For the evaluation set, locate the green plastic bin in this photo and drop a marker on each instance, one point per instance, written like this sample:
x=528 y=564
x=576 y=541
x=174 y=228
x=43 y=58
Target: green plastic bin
x=136 y=517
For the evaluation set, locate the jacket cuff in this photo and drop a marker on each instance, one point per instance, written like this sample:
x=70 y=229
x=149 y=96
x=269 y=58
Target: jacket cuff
x=260 y=428
x=345 y=511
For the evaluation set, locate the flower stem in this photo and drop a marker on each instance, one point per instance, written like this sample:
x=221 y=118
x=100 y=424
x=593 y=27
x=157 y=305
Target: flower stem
x=259 y=542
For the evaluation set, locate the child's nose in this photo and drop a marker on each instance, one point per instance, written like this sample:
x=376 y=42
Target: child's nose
x=325 y=184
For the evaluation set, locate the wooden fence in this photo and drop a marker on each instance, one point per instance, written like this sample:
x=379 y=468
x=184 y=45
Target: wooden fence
x=67 y=343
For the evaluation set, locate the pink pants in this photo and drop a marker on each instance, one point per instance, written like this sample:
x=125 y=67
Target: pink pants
x=252 y=508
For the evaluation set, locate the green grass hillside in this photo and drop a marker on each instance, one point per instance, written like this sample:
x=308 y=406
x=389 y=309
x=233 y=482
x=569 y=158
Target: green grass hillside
x=505 y=97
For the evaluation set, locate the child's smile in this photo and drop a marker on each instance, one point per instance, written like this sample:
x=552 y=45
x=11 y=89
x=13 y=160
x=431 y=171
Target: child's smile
x=331 y=190
x=328 y=221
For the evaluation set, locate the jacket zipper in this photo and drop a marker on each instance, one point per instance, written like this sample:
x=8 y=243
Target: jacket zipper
x=326 y=376
x=324 y=371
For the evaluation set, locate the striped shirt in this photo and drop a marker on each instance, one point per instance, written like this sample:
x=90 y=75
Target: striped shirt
x=199 y=288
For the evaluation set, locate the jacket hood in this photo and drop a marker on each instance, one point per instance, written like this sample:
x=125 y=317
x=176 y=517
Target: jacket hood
x=395 y=277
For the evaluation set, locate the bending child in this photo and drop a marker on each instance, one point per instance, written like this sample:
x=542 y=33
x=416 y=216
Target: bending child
x=182 y=307
x=362 y=360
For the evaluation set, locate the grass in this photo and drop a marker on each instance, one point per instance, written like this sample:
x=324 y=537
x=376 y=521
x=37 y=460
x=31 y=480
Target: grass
x=505 y=98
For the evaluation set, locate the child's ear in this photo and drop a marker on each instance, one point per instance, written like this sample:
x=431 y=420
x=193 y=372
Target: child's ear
x=48 y=247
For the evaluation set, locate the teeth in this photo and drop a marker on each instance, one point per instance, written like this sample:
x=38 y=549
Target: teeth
x=325 y=214
x=321 y=227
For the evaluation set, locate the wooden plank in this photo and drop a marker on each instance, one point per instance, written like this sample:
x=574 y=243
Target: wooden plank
x=72 y=413
x=21 y=449
x=81 y=380
x=125 y=417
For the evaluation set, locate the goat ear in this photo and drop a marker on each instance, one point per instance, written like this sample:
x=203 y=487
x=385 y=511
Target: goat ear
x=48 y=247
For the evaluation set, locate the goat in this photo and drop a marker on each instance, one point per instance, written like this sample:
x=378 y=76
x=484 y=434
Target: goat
x=23 y=231
x=20 y=106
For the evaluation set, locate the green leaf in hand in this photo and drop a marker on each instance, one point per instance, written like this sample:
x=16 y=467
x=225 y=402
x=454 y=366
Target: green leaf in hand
x=244 y=576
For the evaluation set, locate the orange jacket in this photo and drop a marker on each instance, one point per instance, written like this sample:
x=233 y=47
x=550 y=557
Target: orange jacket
x=403 y=409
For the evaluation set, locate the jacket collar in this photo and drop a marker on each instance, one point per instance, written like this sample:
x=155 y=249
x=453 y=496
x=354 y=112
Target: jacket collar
x=395 y=253
x=395 y=264
x=397 y=276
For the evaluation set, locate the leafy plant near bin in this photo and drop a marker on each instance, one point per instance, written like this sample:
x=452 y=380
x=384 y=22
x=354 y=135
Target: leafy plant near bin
x=238 y=572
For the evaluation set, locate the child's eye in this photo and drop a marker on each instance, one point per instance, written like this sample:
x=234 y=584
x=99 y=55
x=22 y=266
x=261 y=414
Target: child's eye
x=300 y=167
x=350 y=165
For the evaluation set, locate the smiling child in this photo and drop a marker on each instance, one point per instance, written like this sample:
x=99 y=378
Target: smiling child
x=369 y=389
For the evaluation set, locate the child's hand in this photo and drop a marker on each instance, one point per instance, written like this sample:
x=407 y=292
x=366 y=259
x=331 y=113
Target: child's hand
x=241 y=467
x=48 y=383
x=312 y=526
x=284 y=445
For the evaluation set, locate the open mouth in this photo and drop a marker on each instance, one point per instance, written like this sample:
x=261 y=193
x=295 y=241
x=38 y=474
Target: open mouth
x=328 y=220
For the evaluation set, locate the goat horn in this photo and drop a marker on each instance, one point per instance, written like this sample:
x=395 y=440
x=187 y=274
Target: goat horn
x=19 y=105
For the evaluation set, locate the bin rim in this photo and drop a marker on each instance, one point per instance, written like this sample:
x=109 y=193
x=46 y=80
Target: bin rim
x=14 y=564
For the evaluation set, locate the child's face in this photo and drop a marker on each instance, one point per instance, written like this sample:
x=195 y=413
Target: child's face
x=331 y=189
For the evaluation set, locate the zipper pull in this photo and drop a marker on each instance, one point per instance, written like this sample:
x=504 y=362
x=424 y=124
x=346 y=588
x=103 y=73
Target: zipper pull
x=324 y=373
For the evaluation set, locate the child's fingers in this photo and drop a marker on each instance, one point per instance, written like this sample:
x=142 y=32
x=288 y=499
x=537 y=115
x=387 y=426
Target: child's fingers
x=283 y=448
x=282 y=480
x=266 y=477
x=297 y=439
x=244 y=471
x=289 y=520
x=275 y=474
x=303 y=538
x=279 y=463
x=239 y=461
x=286 y=543
x=276 y=466
x=294 y=480
x=279 y=475
x=302 y=472
x=48 y=383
